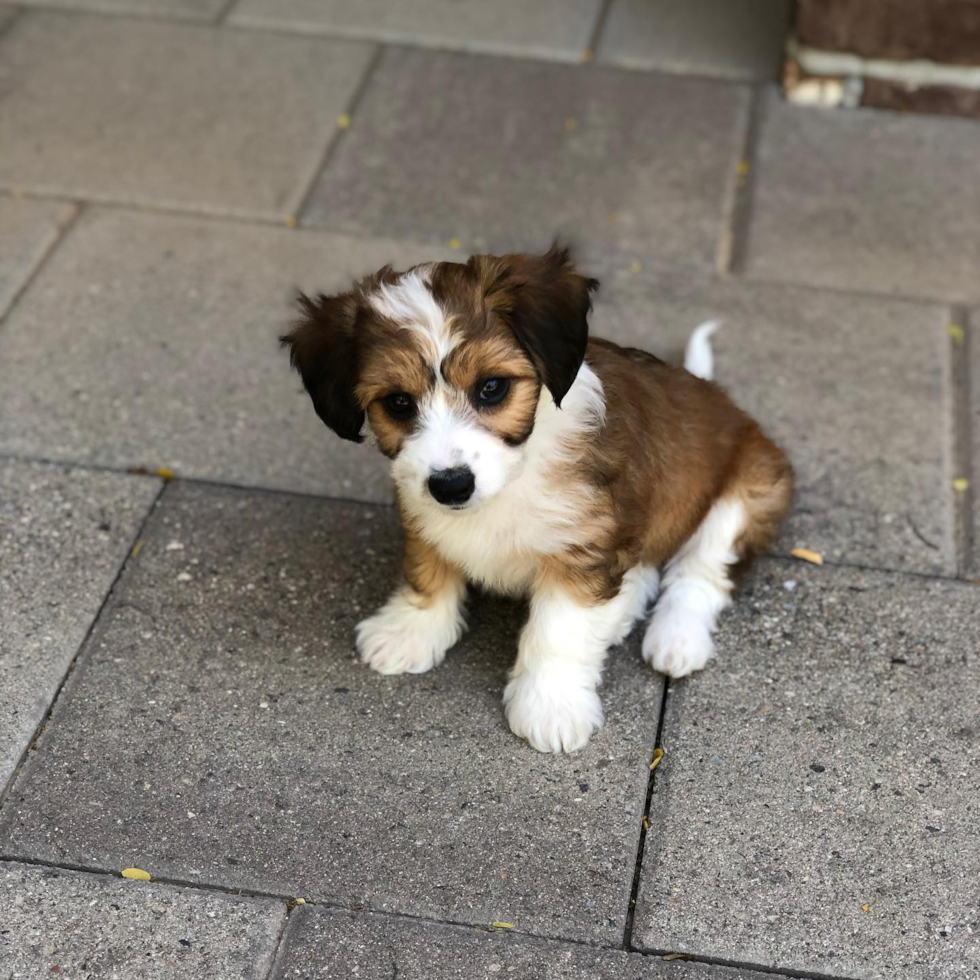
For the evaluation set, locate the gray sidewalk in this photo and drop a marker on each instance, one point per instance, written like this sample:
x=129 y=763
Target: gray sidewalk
x=178 y=689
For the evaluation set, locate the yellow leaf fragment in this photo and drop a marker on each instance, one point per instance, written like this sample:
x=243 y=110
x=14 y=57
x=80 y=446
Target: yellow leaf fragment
x=956 y=332
x=865 y=908
x=165 y=474
x=17 y=192
x=635 y=267
x=501 y=925
x=743 y=168
x=454 y=243
x=961 y=484
x=135 y=874
x=290 y=222
x=343 y=121
x=588 y=54
x=658 y=755
x=646 y=822
x=571 y=123
x=137 y=548
x=814 y=557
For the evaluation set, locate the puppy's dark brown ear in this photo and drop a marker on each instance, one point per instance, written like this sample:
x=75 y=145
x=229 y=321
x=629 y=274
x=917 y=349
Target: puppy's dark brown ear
x=547 y=304
x=323 y=349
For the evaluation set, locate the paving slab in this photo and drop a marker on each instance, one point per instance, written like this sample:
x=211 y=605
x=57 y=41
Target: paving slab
x=111 y=109
x=28 y=229
x=739 y=39
x=64 y=534
x=194 y=10
x=827 y=376
x=558 y=29
x=219 y=730
x=321 y=944
x=866 y=200
x=186 y=313
x=817 y=807
x=447 y=146
x=58 y=922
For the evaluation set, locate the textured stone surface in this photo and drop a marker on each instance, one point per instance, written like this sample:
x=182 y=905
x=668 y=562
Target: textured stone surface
x=974 y=478
x=544 y=29
x=151 y=341
x=59 y=922
x=111 y=109
x=63 y=536
x=742 y=39
x=27 y=229
x=219 y=731
x=325 y=945
x=867 y=200
x=827 y=376
x=7 y=14
x=818 y=804
x=199 y=10
x=450 y=146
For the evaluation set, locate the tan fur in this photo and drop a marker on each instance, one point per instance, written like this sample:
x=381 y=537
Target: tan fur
x=428 y=574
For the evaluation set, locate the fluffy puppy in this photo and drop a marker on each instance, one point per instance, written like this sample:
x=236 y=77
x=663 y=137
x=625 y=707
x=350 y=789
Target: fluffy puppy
x=536 y=461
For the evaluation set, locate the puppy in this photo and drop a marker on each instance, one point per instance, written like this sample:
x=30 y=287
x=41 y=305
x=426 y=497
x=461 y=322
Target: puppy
x=536 y=461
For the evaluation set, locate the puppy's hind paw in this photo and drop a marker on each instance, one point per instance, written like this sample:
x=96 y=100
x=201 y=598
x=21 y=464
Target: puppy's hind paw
x=677 y=644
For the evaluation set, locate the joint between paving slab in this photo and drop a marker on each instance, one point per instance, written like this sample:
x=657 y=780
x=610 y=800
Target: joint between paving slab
x=14 y=17
x=42 y=726
x=645 y=824
x=960 y=342
x=773 y=971
x=598 y=28
x=733 y=241
x=349 y=115
x=225 y=12
x=281 y=942
x=60 y=234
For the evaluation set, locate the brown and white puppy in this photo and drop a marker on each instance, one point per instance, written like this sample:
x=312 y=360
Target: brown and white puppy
x=536 y=461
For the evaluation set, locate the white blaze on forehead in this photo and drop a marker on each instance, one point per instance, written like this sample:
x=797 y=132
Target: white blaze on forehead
x=410 y=303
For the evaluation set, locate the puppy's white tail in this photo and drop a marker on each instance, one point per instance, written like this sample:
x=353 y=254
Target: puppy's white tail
x=698 y=356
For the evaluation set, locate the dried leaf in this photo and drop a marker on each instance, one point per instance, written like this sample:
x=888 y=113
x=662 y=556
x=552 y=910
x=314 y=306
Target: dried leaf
x=658 y=755
x=501 y=925
x=135 y=874
x=814 y=557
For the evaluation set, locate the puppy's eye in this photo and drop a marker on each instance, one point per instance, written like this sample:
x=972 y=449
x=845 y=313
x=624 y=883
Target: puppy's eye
x=399 y=405
x=492 y=391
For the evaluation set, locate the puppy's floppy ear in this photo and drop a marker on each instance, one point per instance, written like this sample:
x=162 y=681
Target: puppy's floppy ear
x=322 y=347
x=546 y=303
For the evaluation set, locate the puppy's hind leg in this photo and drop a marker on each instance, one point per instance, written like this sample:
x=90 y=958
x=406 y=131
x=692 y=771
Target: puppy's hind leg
x=696 y=588
x=697 y=583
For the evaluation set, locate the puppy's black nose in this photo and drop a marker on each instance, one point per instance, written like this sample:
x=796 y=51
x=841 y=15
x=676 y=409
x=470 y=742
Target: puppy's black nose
x=452 y=486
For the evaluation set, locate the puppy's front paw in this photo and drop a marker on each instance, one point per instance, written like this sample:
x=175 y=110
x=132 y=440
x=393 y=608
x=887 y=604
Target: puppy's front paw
x=551 y=713
x=404 y=638
x=677 y=644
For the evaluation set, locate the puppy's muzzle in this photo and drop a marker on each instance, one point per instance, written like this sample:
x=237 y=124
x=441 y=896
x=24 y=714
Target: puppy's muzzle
x=452 y=487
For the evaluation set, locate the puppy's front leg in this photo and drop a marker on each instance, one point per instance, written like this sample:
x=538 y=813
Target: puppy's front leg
x=551 y=697
x=411 y=633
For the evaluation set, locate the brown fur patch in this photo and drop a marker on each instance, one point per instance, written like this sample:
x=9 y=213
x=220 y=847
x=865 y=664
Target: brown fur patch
x=672 y=445
x=428 y=574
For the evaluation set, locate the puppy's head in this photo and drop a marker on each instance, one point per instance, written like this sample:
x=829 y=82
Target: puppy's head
x=446 y=362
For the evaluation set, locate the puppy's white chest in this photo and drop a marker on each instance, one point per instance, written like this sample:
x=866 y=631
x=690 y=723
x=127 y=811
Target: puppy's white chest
x=495 y=547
